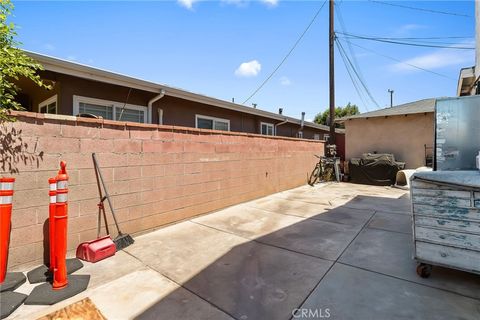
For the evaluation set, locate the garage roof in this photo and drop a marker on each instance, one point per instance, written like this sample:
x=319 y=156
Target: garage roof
x=420 y=106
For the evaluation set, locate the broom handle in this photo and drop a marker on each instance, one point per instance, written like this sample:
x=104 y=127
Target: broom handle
x=101 y=208
x=106 y=192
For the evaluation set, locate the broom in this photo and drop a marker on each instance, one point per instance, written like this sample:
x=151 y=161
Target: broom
x=122 y=240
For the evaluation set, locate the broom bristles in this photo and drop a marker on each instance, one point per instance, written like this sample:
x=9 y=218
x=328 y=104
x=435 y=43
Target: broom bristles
x=122 y=241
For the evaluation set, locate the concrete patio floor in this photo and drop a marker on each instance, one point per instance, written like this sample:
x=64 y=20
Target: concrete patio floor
x=338 y=250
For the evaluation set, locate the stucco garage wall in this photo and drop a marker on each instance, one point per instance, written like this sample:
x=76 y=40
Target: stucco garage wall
x=404 y=136
x=156 y=174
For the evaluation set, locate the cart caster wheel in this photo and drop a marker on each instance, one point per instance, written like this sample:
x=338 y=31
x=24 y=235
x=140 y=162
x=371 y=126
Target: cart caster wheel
x=424 y=270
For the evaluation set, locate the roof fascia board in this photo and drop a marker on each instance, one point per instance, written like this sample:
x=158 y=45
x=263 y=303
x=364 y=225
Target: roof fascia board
x=384 y=115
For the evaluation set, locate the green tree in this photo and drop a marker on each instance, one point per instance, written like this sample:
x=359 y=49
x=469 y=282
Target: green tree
x=14 y=63
x=348 y=110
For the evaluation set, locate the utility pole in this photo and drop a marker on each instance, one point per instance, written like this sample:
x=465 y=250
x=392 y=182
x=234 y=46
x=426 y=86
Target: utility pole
x=331 y=44
x=391 y=97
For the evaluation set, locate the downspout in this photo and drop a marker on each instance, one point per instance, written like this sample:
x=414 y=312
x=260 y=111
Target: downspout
x=302 y=123
x=279 y=124
x=152 y=101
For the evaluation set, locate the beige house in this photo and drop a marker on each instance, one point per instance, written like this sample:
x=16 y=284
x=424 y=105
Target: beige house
x=405 y=130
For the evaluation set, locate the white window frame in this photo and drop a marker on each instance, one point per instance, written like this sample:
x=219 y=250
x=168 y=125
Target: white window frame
x=326 y=136
x=300 y=134
x=160 y=116
x=47 y=102
x=268 y=125
x=211 y=118
x=115 y=104
x=316 y=136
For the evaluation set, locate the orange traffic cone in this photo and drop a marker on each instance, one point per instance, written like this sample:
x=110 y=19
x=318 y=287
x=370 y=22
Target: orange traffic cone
x=6 y=197
x=60 y=228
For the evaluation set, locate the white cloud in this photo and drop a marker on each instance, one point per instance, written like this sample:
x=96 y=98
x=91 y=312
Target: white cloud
x=408 y=28
x=49 y=47
x=437 y=59
x=248 y=69
x=238 y=3
x=271 y=3
x=245 y=3
x=187 y=3
x=284 y=81
x=411 y=27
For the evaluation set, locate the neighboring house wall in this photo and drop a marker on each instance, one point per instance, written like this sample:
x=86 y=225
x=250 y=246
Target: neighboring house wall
x=156 y=175
x=31 y=95
x=175 y=111
x=404 y=136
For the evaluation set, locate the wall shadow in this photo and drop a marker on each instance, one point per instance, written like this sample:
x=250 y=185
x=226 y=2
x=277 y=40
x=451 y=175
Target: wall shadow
x=15 y=151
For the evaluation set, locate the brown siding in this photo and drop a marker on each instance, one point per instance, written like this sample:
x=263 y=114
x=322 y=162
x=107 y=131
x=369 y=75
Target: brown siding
x=31 y=95
x=93 y=89
x=176 y=111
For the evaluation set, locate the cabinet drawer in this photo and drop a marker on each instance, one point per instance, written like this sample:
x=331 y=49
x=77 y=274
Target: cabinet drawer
x=448 y=224
x=442 y=193
x=442 y=201
x=447 y=212
x=463 y=259
x=449 y=238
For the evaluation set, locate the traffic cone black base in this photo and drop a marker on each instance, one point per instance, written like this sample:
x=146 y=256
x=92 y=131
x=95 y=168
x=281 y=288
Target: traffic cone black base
x=10 y=302
x=43 y=274
x=45 y=295
x=13 y=280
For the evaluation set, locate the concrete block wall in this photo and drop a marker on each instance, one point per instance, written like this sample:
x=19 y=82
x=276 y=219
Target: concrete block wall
x=156 y=175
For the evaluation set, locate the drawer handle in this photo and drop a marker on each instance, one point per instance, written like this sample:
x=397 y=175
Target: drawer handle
x=443 y=254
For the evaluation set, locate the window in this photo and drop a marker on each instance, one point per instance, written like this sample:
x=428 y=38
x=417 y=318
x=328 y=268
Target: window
x=205 y=122
x=132 y=115
x=326 y=137
x=103 y=111
x=267 y=129
x=49 y=105
x=316 y=136
x=110 y=110
x=300 y=134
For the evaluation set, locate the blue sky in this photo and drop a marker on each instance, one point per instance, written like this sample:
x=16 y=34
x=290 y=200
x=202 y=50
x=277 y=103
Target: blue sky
x=227 y=48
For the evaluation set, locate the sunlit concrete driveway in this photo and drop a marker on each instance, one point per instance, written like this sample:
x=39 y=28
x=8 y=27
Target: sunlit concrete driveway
x=338 y=251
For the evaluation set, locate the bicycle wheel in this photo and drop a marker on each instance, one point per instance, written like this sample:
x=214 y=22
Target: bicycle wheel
x=314 y=175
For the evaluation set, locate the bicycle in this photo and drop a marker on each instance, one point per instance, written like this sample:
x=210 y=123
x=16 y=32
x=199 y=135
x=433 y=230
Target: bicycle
x=320 y=169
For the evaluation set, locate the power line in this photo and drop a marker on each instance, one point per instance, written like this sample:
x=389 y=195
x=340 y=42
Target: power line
x=356 y=73
x=352 y=36
x=352 y=78
x=352 y=53
x=403 y=62
x=420 y=43
x=344 y=29
x=422 y=38
x=409 y=38
x=422 y=9
x=288 y=54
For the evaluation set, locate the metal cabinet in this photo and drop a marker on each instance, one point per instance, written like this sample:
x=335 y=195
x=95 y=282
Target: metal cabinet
x=446 y=220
